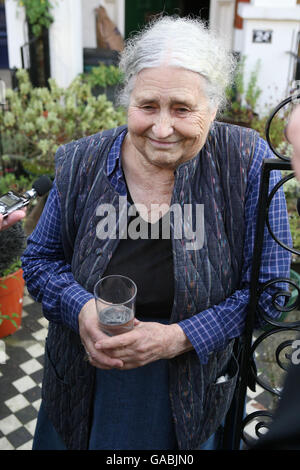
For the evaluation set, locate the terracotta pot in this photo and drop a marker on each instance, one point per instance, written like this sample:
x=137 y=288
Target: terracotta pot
x=11 y=301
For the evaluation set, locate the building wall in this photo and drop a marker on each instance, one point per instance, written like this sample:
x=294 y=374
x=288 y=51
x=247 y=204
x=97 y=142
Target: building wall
x=277 y=64
x=65 y=41
x=74 y=28
x=115 y=10
x=16 y=32
x=221 y=19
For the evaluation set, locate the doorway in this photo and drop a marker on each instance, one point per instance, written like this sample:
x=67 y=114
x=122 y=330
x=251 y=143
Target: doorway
x=138 y=13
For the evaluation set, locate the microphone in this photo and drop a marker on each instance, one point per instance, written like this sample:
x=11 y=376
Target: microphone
x=12 y=201
x=40 y=187
x=13 y=239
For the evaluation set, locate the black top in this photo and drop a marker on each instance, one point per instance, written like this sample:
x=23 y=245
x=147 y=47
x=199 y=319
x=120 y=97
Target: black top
x=149 y=263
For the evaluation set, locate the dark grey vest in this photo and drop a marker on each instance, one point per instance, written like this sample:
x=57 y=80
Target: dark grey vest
x=217 y=178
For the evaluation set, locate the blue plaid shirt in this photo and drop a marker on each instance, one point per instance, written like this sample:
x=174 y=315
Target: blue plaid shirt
x=50 y=280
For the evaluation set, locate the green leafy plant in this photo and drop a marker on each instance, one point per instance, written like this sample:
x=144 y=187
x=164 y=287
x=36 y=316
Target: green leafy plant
x=9 y=181
x=13 y=240
x=242 y=100
x=13 y=243
x=9 y=318
x=39 y=120
x=104 y=79
x=277 y=127
x=14 y=266
x=242 y=97
x=253 y=92
x=292 y=193
x=38 y=14
x=103 y=76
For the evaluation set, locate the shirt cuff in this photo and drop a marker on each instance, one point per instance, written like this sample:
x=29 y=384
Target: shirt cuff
x=73 y=298
x=201 y=331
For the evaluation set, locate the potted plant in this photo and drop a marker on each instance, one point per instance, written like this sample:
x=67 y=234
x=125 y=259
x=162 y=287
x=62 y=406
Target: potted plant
x=104 y=79
x=12 y=243
x=242 y=97
x=36 y=121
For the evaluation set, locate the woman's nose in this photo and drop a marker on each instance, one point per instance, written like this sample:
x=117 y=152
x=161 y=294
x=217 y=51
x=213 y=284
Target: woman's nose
x=163 y=126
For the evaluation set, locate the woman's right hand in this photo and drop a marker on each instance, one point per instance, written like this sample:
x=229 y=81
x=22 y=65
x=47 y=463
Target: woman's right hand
x=90 y=333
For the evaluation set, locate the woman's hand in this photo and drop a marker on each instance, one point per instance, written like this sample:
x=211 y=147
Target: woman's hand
x=147 y=342
x=91 y=334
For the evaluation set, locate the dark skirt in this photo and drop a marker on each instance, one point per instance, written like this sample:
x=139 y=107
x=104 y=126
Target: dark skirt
x=131 y=411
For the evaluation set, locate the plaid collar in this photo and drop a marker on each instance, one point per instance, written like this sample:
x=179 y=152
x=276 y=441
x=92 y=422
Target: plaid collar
x=114 y=165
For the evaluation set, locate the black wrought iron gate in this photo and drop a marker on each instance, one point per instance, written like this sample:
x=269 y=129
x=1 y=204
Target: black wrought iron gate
x=246 y=348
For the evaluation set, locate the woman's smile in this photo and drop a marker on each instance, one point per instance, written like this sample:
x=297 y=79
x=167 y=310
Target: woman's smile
x=163 y=144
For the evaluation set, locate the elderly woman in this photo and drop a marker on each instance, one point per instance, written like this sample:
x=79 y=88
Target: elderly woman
x=167 y=383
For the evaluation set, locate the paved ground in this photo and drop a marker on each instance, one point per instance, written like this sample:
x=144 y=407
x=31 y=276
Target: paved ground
x=21 y=377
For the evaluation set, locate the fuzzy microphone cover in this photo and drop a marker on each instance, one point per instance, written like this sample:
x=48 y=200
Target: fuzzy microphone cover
x=12 y=245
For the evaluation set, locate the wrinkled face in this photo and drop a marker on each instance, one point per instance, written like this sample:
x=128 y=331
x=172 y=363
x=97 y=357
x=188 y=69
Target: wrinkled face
x=168 y=116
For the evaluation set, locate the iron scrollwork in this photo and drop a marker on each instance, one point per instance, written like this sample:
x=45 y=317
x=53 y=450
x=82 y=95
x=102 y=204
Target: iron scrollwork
x=237 y=422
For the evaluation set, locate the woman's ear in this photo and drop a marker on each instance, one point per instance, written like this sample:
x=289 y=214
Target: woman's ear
x=213 y=115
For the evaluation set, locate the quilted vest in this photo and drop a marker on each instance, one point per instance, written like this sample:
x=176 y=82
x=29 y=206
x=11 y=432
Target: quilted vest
x=216 y=178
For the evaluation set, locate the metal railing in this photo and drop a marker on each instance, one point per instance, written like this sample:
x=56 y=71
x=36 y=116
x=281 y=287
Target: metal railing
x=246 y=348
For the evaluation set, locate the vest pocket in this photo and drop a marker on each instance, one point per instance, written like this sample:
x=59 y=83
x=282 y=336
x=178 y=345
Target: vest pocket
x=55 y=395
x=218 y=399
x=52 y=369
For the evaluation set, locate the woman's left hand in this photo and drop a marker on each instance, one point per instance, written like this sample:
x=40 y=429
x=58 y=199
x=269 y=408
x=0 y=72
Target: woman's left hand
x=147 y=342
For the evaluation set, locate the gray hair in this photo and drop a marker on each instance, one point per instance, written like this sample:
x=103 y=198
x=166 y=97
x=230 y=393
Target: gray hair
x=180 y=42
